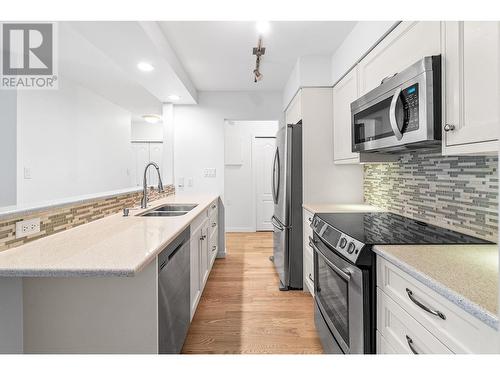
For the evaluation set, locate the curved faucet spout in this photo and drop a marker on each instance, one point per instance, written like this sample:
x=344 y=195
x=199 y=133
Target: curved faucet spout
x=144 y=200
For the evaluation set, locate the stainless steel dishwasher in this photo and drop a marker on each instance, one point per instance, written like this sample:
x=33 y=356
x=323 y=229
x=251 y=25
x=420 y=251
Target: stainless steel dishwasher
x=173 y=295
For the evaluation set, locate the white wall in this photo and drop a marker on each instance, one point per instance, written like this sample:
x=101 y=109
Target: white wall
x=199 y=133
x=144 y=132
x=73 y=141
x=8 y=147
x=239 y=189
x=363 y=37
x=11 y=315
x=309 y=71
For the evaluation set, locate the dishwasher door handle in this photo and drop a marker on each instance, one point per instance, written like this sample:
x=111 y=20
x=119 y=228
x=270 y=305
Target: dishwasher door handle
x=171 y=255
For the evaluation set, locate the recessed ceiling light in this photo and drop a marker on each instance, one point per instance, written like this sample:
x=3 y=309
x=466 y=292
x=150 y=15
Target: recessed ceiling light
x=145 y=66
x=263 y=27
x=152 y=119
x=173 y=97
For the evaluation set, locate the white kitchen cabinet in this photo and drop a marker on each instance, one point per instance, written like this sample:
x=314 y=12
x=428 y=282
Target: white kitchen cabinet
x=344 y=93
x=204 y=247
x=405 y=45
x=402 y=332
x=293 y=113
x=308 y=256
x=458 y=332
x=471 y=72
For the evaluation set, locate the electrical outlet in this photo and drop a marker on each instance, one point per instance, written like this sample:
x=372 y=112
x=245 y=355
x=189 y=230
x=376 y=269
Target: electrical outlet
x=26 y=227
x=209 y=172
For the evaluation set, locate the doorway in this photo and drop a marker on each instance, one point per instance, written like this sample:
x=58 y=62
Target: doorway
x=263 y=149
x=248 y=156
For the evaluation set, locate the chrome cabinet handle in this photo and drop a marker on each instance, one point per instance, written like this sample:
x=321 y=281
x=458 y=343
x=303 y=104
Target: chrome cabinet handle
x=214 y=224
x=213 y=206
x=411 y=345
x=310 y=219
x=310 y=278
x=214 y=248
x=392 y=115
x=423 y=307
x=203 y=237
x=449 y=127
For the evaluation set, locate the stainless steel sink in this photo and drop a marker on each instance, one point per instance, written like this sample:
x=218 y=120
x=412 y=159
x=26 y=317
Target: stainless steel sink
x=164 y=213
x=171 y=209
x=176 y=207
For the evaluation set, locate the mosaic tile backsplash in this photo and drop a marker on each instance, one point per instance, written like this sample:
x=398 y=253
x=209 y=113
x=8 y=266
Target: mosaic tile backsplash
x=58 y=219
x=454 y=192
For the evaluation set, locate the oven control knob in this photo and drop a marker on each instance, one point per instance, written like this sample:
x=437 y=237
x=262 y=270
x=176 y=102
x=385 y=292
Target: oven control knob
x=343 y=242
x=351 y=247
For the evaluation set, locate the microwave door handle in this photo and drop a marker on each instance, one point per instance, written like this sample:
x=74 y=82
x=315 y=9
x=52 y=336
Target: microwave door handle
x=392 y=115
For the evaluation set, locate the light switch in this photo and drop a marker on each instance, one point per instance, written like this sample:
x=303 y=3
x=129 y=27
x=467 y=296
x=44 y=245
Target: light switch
x=27 y=173
x=190 y=182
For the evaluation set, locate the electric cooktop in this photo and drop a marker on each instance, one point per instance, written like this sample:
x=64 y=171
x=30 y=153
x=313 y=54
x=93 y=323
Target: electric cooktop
x=376 y=228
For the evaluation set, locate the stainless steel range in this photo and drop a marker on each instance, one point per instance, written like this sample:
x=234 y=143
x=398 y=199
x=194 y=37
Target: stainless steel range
x=344 y=267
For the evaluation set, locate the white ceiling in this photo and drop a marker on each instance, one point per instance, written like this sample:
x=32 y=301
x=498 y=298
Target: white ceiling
x=217 y=55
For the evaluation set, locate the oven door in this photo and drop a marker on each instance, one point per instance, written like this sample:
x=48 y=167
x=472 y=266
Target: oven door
x=339 y=296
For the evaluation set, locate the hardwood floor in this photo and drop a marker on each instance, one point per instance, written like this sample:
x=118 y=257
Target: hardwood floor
x=242 y=310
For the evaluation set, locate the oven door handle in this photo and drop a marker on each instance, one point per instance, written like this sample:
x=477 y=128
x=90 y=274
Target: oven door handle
x=345 y=274
x=392 y=115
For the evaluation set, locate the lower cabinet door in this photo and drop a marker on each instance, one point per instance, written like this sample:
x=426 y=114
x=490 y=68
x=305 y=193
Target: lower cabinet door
x=195 y=271
x=204 y=254
x=402 y=332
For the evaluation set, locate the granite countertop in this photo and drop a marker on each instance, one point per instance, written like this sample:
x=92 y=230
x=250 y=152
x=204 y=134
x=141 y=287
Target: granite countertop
x=467 y=275
x=112 y=246
x=317 y=208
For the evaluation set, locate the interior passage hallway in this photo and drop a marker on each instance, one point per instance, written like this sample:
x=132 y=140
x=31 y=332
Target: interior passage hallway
x=242 y=310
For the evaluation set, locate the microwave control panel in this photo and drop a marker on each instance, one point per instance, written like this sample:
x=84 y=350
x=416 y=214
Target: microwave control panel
x=409 y=98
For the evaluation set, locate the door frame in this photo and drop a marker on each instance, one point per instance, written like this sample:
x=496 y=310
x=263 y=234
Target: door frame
x=254 y=177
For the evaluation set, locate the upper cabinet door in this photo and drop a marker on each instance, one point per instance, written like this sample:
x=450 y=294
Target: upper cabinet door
x=471 y=87
x=405 y=45
x=293 y=113
x=344 y=93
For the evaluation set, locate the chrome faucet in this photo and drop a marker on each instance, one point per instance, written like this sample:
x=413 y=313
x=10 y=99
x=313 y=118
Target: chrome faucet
x=144 y=200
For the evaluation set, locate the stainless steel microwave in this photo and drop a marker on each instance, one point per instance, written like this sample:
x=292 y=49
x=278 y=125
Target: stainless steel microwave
x=403 y=113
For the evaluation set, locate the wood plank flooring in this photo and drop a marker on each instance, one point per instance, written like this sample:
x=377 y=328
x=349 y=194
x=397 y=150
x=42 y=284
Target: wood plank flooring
x=242 y=310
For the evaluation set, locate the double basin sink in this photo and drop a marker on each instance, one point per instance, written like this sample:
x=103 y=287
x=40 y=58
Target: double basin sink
x=171 y=209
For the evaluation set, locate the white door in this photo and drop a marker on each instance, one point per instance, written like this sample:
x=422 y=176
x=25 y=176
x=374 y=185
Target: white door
x=263 y=153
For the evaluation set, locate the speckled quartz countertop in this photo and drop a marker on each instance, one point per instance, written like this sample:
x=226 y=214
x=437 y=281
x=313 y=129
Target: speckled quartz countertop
x=318 y=208
x=467 y=275
x=112 y=246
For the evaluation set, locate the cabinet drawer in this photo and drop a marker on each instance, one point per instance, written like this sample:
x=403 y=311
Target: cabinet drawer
x=460 y=331
x=213 y=246
x=212 y=225
x=403 y=333
x=212 y=209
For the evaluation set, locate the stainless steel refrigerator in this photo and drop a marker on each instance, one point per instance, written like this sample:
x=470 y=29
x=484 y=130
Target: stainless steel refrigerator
x=287 y=196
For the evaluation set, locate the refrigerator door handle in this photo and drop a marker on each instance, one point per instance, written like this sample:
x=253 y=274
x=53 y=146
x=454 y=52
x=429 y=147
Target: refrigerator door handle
x=275 y=222
x=276 y=184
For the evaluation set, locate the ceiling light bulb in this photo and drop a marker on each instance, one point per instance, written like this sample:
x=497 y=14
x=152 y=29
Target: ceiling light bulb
x=263 y=27
x=151 y=119
x=173 y=97
x=145 y=66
